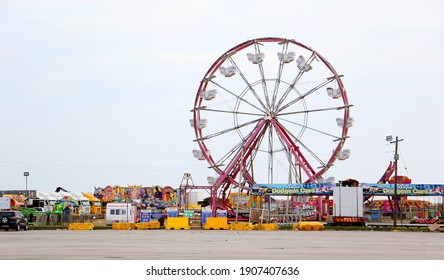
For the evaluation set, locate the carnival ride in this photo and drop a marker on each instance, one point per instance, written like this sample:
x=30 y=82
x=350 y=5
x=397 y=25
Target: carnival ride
x=419 y=211
x=269 y=110
x=154 y=196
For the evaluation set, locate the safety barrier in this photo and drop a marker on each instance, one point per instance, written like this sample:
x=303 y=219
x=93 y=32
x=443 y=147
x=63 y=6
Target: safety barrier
x=308 y=226
x=177 y=223
x=268 y=227
x=216 y=223
x=148 y=225
x=81 y=226
x=124 y=226
x=243 y=226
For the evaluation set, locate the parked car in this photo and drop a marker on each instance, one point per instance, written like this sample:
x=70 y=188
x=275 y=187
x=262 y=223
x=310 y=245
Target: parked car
x=12 y=219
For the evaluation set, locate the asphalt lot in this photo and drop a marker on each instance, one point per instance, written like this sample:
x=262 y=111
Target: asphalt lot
x=220 y=245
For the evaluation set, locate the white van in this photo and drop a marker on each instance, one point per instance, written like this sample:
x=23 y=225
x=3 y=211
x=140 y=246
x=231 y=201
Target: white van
x=121 y=212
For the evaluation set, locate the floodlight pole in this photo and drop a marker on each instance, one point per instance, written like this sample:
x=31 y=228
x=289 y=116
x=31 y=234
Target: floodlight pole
x=26 y=174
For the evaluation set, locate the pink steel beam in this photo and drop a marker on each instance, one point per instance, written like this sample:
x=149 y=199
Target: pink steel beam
x=236 y=160
x=309 y=171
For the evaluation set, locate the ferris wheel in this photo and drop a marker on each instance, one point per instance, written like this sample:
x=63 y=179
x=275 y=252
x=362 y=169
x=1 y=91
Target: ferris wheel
x=270 y=110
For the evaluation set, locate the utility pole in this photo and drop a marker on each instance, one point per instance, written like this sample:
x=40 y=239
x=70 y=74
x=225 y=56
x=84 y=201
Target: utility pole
x=395 y=195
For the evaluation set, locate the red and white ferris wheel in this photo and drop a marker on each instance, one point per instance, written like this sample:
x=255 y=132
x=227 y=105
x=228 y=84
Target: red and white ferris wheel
x=270 y=110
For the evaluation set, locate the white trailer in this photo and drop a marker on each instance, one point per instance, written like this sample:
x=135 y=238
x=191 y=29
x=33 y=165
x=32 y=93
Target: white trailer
x=348 y=207
x=121 y=213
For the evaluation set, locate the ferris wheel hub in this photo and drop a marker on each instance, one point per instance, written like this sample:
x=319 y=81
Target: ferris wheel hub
x=269 y=116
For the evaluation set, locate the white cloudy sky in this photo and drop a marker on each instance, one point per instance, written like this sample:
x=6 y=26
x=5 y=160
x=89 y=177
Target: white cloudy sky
x=99 y=92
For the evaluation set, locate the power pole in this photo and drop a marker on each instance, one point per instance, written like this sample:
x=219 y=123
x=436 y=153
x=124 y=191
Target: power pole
x=395 y=195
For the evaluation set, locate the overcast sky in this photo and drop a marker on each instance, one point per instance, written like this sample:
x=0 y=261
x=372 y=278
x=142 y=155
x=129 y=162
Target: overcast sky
x=97 y=93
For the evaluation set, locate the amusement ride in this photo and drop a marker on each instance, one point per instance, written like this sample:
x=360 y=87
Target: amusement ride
x=269 y=110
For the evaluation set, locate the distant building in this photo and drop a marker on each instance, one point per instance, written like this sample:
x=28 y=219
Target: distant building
x=31 y=193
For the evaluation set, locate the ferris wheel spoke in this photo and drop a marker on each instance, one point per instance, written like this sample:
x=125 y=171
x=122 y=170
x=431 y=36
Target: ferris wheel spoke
x=288 y=154
x=312 y=129
x=262 y=74
x=277 y=84
x=248 y=83
x=255 y=147
x=228 y=112
x=290 y=141
x=239 y=98
x=300 y=97
x=279 y=75
x=247 y=145
x=264 y=86
x=293 y=84
x=285 y=153
x=316 y=110
x=229 y=154
x=251 y=149
x=228 y=130
x=300 y=143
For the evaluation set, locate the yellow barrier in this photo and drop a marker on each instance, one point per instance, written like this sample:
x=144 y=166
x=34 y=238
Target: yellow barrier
x=177 y=223
x=81 y=226
x=150 y=225
x=268 y=226
x=308 y=226
x=124 y=226
x=243 y=226
x=216 y=223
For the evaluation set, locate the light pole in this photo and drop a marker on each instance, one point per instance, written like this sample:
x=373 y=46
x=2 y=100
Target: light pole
x=395 y=195
x=26 y=174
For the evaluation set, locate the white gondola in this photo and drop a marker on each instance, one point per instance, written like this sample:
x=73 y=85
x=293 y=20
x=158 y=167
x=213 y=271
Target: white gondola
x=331 y=180
x=227 y=71
x=339 y=121
x=286 y=57
x=200 y=124
x=333 y=93
x=320 y=180
x=208 y=94
x=212 y=180
x=302 y=64
x=348 y=123
x=344 y=154
x=198 y=154
x=256 y=58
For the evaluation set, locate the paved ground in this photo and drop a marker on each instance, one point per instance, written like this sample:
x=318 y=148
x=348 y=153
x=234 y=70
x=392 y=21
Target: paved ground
x=220 y=245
